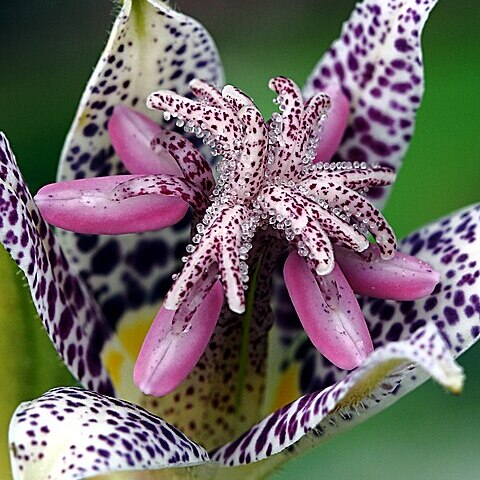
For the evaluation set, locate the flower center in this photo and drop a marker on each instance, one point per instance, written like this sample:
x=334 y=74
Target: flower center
x=267 y=180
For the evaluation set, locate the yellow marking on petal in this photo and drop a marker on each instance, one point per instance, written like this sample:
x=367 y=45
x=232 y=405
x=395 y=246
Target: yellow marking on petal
x=366 y=385
x=287 y=390
x=120 y=352
x=132 y=332
x=119 y=366
x=83 y=119
x=113 y=362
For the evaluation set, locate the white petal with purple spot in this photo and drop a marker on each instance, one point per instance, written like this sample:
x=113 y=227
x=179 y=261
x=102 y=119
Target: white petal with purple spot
x=70 y=434
x=69 y=314
x=151 y=46
x=452 y=247
x=378 y=63
x=363 y=388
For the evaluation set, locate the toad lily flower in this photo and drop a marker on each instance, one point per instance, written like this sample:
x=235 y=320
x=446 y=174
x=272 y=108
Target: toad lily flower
x=266 y=184
x=212 y=402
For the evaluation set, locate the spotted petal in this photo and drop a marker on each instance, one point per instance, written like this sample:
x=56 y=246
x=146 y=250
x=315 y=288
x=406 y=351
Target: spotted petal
x=376 y=379
x=377 y=61
x=69 y=315
x=150 y=47
x=109 y=435
x=452 y=247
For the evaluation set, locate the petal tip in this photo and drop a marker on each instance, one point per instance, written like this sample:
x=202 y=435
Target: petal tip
x=237 y=308
x=455 y=378
x=149 y=387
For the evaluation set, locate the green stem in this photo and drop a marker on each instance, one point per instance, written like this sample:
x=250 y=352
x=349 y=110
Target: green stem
x=244 y=350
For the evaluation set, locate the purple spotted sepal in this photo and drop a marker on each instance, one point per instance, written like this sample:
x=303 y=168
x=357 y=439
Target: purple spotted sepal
x=377 y=64
x=69 y=314
x=451 y=246
x=150 y=46
x=71 y=434
x=312 y=415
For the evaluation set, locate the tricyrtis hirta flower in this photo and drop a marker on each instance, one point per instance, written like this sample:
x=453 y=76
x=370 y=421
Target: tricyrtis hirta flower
x=300 y=192
x=267 y=186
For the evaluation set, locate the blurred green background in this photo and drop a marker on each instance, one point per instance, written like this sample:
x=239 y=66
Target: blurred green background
x=47 y=51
